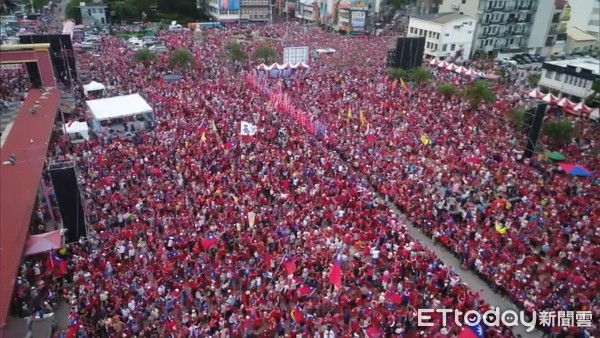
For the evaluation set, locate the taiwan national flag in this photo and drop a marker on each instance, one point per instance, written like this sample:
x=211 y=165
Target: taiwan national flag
x=393 y=297
x=56 y=266
x=476 y=331
x=304 y=291
x=208 y=242
x=335 y=275
x=289 y=265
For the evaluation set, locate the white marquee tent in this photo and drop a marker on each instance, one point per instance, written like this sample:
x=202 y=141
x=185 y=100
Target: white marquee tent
x=93 y=87
x=77 y=127
x=118 y=106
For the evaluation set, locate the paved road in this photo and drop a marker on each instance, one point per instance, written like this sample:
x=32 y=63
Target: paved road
x=467 y=276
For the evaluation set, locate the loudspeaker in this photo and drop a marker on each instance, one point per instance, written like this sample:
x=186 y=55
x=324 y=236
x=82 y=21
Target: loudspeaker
x=67 y=194
x=409 y=52
x=534 y=130
x=528 y=120
x=61 y=54
x=34 y=74
x=391 y=58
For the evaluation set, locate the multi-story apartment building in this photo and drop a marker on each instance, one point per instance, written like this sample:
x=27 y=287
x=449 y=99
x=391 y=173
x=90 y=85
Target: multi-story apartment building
x=239 y=10
x=585 y=15
x=509 y=26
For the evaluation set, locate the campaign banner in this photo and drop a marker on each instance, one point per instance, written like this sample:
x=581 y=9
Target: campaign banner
x=358 y=20
x=231 y=5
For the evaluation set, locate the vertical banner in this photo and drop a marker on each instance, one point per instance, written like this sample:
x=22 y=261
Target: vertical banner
x=251 y=218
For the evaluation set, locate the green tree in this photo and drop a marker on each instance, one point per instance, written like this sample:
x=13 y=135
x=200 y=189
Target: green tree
x=397 y=74
x=399 y=4
x=72 y=11
x=38 y=5
x=181 y=58
x=517 y=118
x=560 y=132
x=534 y=80
x=593 y=100
x=265 y=54
x=236 y=52
x=447 y=91
x=419 y=75
x=478 y=93
x=7 y=6
x=144 y=56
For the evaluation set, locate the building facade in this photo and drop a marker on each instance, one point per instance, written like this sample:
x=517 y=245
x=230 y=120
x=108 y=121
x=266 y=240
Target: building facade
x=447 y=35
x=93 y=14
x=570 y=78
x=508 y=26
x=239 y=10
x=585 y=15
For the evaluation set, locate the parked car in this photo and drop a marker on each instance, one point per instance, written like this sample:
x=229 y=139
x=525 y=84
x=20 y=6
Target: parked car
x=527 y=58
x=158 y=49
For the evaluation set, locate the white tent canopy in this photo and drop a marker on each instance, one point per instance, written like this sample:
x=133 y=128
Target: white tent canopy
x=93 y=87
x=277 y=66
x=78 y=127
x=118 y=106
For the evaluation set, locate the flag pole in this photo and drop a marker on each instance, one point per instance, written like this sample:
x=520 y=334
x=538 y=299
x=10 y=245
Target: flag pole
x=276 y=270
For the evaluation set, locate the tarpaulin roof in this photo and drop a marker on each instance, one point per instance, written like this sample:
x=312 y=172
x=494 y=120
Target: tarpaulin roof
x=47 y=242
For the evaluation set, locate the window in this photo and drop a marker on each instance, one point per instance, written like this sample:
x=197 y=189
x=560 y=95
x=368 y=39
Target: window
x=464 y=2
x=452 y=47
x=444 y=47
x=420 y=31
x=557 y=76
x=447 y=34
x=549 y=73
x=457 y=27
x=435 y=46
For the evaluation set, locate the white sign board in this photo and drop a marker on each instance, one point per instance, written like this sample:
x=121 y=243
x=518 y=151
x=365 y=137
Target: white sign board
x=294 y=55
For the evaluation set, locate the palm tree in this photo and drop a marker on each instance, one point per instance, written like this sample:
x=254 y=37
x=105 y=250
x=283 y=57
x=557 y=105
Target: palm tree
x=181 y=58
x=265 y=54
x=447 y=91
x=517 y=118
x=236 y=52
x=560 y=132
x=397 y=74
x=144 y=56
x=479 y=93
x=419 y=75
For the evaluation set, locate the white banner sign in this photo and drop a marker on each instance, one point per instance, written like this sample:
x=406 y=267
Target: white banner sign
x=248 y=129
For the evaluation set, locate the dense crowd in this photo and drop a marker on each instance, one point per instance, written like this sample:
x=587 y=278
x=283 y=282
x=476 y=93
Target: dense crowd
x=199 y=231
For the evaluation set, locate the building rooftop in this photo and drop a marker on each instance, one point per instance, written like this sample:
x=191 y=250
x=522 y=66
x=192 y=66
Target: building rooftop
x=579 y=35
x=591 y=64
x=442 y=18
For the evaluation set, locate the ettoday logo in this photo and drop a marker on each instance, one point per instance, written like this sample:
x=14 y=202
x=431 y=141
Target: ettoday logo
x=472 y=318
x=494 y=318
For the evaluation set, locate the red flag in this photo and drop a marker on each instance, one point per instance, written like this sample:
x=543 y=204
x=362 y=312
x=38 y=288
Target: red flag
x=208 y=242
x=335 y=275
x=393 y=297
x=304 y=291
x=72 y=331
x=289 y=265
x=297 y=315
x=372 y=333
